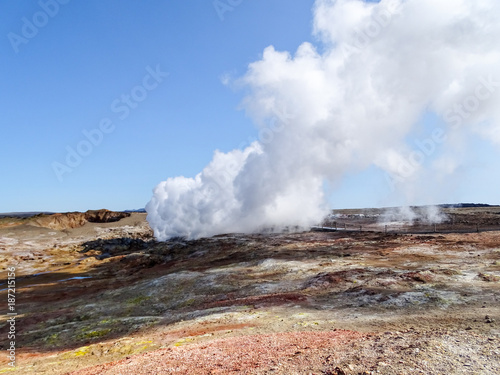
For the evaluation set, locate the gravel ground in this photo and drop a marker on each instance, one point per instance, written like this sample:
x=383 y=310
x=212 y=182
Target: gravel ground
x=334 y=352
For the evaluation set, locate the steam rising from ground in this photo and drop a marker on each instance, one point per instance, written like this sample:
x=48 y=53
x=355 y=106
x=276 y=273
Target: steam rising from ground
x=348 y=102
x=408 y=215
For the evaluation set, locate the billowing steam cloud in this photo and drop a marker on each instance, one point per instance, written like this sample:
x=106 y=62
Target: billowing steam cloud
x=352 y=100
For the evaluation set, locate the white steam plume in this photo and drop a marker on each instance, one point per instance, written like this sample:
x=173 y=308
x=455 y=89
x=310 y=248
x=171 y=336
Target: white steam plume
x=408 y=215
x=345 y=105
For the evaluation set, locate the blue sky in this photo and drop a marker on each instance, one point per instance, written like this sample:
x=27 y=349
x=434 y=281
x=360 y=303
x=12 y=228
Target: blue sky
x=73 y=73
x=64 y=79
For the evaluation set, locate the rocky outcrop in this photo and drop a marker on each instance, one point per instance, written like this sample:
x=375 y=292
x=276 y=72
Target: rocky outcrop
x=70 y=220
x=104 y=216
x=59 y=221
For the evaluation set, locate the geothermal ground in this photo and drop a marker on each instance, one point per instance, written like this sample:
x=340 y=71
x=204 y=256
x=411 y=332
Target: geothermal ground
x=97 y=296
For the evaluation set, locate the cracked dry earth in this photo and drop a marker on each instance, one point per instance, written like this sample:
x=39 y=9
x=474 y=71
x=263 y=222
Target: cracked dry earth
x=108 y=299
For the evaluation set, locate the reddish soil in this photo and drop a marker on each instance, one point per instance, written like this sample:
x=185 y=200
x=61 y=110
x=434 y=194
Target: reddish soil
x=107 y=299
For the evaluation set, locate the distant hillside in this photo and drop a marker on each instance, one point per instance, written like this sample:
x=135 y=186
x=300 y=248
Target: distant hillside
x=23 y=215
x=466 y=205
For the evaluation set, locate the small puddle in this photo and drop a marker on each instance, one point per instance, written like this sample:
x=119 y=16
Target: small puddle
x=75 y=278
x=40 y=273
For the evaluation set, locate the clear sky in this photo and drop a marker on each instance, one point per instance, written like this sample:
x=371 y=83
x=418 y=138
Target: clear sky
x=64 y=80
x=136 y=89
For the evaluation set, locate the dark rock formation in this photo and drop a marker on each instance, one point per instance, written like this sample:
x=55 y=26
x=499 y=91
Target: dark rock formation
x=104 y=216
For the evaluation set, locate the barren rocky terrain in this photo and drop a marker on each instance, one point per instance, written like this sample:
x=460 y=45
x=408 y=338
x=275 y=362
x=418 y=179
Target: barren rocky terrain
x=103 y=297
